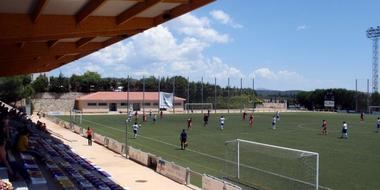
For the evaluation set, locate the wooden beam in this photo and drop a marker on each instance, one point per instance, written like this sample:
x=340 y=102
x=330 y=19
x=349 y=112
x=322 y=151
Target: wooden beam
x=135 y=10
x=83 y=41
x=16 y=27
x=21 y=44
x=180 y=10
x=38 y=10
x=12 y=53
x=89 y=8
x=175 y=1
x=52 y=43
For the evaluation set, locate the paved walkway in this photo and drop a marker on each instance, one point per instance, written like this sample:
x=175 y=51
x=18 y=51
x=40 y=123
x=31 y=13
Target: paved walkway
x=126 y=173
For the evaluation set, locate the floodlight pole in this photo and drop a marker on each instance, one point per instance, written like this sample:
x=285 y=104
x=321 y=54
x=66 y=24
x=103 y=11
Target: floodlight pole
x=228 y=95
x=374 y=34
x=202 y=93
x=238 y=159
x=188 y=92
x=215 y=96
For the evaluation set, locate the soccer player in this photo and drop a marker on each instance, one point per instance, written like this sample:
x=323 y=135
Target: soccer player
x=205 y=120
x=274 y=120
x=189 y=123
x=344 y=130
x=221 y=121
x=251 y=120
x=154 y=118
x=135 y=128
x=183 y=139
x=244 y=115
x=324 y=127
x=161 y=114
x=378 y=124
x=362 y=116
x=278 y=116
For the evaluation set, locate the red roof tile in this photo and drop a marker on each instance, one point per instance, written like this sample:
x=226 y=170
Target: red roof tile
x=133 y=96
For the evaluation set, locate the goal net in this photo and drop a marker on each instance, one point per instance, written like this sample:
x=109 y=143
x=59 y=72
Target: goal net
x=263 y=166
x=374 y=110
x=198 y=106
x=76 y=116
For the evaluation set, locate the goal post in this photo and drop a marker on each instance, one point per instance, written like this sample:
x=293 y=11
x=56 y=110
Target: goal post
x=198 y=106
x=76 y=116
x=374 y=110
x=264 y=166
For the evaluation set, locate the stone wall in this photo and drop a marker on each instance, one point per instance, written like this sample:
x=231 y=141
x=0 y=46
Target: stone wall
x=55 y=102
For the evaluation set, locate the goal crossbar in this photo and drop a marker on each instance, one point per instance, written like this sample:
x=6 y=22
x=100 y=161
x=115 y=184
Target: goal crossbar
x=273 y=146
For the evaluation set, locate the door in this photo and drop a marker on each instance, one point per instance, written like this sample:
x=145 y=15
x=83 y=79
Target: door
x=113 y=107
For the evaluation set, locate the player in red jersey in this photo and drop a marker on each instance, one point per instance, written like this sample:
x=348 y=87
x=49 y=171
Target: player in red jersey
x=251 y=120
x=189 y=123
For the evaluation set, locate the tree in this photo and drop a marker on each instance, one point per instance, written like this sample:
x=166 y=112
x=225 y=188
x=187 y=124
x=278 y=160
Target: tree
x=90 y=81
x=15 y=88
x=59 y=84
x=40 y=84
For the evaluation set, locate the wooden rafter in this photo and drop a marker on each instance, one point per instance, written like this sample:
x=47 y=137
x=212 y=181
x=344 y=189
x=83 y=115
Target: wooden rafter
x=19 y=28
x=89 y=8
x=52 y=43
x=38 y=10
x=180 y=10
x=84 y=41
x=135 y=10
x=30 y=50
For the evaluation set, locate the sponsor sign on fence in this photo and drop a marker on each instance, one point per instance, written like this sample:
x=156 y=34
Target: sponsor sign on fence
x=100 y=139
x=172 y=171
x=115 y=146
x=213 y=183
x=77 y=129
x=138 y=156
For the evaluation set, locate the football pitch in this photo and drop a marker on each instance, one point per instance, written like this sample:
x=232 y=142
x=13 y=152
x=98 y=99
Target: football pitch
x=352 y=163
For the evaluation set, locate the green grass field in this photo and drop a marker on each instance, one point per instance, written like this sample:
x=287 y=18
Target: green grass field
x=352 y=163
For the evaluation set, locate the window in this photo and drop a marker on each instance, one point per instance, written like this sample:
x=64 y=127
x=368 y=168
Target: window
x=147 y=104
x=102 y=104
x=155 y=104
x=123 y=104
x=91 y=104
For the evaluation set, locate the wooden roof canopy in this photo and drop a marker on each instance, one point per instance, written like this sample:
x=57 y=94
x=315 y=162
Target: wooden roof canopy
x=41 y=35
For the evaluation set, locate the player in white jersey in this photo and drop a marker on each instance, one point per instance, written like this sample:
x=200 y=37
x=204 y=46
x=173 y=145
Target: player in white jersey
x=378 y=125
x=221 y=121
x=135 y=128
x=344 y=130
x=278 y=116
x=274 y=120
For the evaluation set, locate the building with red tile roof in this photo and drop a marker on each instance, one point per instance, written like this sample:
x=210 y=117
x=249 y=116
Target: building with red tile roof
x=102 y=102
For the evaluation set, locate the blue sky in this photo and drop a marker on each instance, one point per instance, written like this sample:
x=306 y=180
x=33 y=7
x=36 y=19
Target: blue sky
x=284 y=45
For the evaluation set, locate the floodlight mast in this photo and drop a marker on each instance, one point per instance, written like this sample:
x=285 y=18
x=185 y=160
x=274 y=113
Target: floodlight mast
x=374 y=34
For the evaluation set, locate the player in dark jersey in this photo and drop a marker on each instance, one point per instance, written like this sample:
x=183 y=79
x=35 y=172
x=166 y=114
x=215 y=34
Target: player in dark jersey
x=205 y=120
x=183 y=139
x=324 y=127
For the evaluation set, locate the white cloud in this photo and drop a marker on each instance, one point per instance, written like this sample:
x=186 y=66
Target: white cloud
x=301 y=27
x=159 y=52
x=224 y=18
x=198 y=27
x=266 y=73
